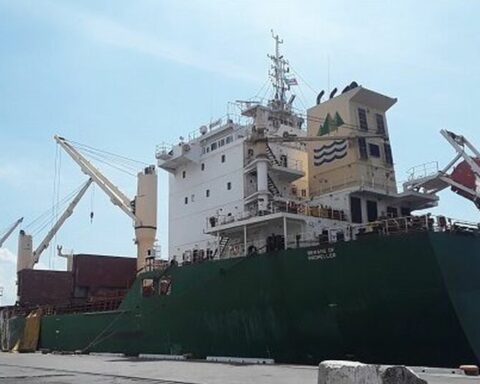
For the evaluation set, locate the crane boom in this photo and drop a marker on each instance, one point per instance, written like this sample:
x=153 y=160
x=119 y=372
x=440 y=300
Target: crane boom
x=115 y=195
x=66 y=214
x=10 y=230
x=142 y=209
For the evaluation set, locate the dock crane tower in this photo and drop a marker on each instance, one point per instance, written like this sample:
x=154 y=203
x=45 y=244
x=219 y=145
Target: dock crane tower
x=10 y=231
x=142 y=209
x=26 y=256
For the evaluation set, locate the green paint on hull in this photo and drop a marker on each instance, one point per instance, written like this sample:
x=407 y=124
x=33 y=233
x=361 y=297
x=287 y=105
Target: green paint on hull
x=409 y=298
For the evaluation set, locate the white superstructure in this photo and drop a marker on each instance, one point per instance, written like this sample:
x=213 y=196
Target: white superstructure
x=275 y=182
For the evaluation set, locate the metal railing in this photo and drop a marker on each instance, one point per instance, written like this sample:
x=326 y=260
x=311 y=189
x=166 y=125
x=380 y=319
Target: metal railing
x=422 y=170
x=278 y=206
x=352 y=232
x=282 y=162
x=372 y=183
x=426 y=222
x=103 y=305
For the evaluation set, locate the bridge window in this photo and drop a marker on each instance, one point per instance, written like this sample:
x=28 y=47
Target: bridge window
x=380 y=123
x=362 y=119
x=374 y=150
x=388 y=154
x=362 y=147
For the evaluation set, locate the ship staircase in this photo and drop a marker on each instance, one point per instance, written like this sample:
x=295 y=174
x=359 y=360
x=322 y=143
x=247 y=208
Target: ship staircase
x=222 y=246
x=272 y=187
x=271 y=156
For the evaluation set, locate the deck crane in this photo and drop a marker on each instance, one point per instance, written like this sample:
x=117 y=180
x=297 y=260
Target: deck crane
x=463 y=180
x=26 y=256
x=10 y=231
x=142 y=209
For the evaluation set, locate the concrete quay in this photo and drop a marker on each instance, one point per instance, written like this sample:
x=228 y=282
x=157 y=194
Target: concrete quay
x=108 y=369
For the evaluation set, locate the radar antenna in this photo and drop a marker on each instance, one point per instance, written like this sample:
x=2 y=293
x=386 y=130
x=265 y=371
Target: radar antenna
x=278 y=75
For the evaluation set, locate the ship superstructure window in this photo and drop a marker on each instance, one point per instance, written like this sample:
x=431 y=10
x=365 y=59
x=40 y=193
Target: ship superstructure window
x=380 y=123
x=223 y=158
x=362 y=119
x=186 y=200
x=184 y=174
x=219 y=143
x=374 y=150
x=356 y=209
x=392 y=212
x=229 y=185
x=203 y=166
x=372 y=210
x=388 y=154
x=362 y=146
x=207 y=193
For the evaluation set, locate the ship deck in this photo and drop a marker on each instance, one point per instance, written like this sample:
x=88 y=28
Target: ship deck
x=105 y=369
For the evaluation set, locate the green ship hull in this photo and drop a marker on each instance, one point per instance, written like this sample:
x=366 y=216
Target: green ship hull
x=411 y=298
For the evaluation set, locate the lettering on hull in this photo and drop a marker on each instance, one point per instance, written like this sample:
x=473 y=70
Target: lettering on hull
x=321 y=254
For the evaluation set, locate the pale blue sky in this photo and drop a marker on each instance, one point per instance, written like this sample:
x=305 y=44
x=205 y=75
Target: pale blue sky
x=126 y=75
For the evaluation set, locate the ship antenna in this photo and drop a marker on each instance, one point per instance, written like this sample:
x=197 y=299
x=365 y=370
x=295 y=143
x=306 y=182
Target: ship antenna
x=278 y=75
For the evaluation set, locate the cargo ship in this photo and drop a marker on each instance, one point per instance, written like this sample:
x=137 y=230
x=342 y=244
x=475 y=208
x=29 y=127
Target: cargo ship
x=289 y=240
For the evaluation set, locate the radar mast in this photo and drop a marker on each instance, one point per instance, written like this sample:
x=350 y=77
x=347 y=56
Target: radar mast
x=278 y=75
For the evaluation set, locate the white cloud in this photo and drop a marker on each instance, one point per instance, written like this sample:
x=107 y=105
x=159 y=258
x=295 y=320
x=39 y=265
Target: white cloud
x=8 y=172
x=107 y=31
x=7 y=256
x=7 y=276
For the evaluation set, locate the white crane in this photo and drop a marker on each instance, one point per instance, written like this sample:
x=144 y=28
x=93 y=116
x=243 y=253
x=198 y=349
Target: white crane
x=142 y=209
x=26 y=257
x=10 y=231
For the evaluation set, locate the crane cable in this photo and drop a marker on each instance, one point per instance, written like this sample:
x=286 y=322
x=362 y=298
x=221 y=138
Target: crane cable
x=110 y=158
x=44 y=219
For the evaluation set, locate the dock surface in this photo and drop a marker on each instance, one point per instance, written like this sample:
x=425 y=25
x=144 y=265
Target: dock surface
x=106 y=369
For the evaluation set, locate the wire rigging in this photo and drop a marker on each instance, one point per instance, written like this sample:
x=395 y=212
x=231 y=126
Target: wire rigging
x=114 y=155
x=44 y=219
x=305 y=81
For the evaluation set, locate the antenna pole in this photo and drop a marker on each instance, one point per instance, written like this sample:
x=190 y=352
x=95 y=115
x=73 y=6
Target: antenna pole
x=278 y=73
